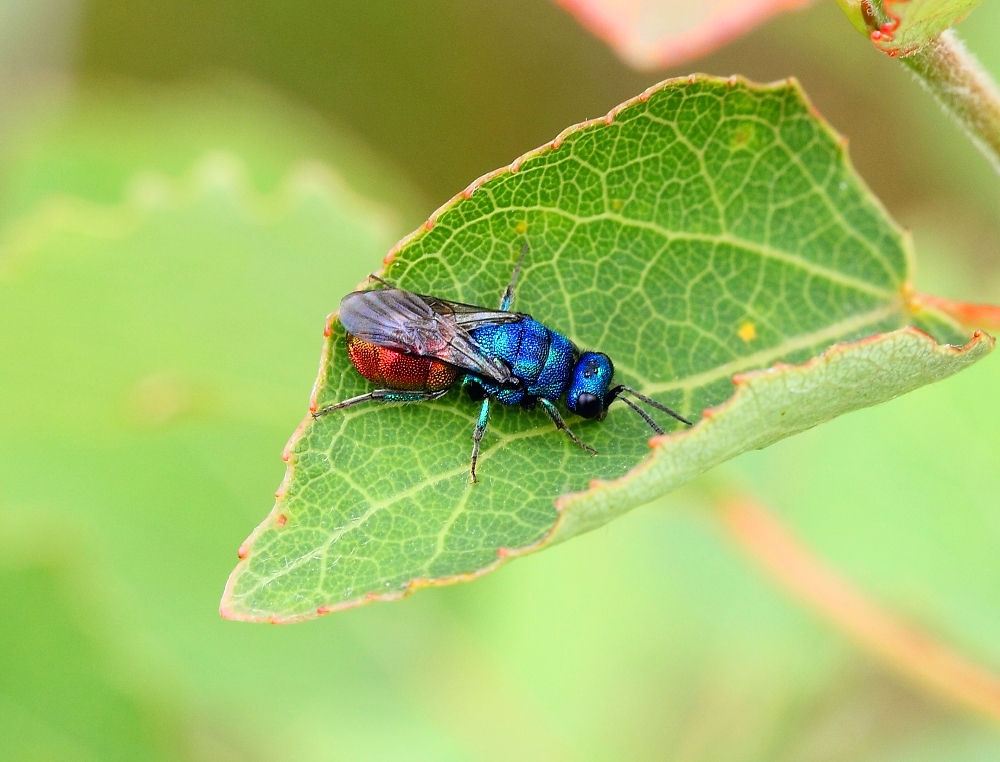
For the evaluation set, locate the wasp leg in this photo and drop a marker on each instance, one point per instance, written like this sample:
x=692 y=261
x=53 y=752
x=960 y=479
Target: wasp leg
x=561 y=424
x=475 y=391
x=477 y=436
x=382 y=395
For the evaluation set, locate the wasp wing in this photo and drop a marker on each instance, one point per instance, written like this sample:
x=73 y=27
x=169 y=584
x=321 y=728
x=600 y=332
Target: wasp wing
x=469 y=316
x=426 y=325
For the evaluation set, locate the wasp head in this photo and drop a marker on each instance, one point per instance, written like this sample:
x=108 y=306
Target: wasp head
x=588 y=391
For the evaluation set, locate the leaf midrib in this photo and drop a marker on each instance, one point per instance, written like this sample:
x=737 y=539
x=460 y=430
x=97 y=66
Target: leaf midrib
x=769 y=355
x=763 y=250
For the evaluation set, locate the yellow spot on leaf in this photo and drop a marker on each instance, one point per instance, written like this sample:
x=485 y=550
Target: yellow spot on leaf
x=617 y=204
x=747 y=332
x=741 y=137
x=521 y=226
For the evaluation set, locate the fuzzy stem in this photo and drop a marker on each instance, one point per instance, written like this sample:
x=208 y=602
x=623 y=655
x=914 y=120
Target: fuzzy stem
x=963 y=88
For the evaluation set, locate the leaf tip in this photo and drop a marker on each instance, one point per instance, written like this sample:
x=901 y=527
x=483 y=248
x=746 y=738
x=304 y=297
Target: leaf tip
x=243 y=552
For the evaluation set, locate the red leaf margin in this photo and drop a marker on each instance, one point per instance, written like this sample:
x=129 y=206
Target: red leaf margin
x=961 y=312
x=564 y=503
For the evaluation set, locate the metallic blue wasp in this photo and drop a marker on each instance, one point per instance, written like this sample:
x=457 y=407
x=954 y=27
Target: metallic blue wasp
x=417 y=346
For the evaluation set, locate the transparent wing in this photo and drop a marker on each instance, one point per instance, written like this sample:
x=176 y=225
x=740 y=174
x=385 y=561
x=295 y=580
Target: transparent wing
x=470 y=316
x=426 y=325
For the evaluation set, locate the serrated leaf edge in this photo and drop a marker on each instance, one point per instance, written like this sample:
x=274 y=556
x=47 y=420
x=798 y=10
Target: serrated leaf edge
x=788 y=83
x=623 y=489
x=276 y=518
x=980 y=344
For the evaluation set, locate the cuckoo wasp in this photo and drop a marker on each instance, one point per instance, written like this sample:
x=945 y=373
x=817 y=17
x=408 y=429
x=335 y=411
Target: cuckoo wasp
x=417 y=347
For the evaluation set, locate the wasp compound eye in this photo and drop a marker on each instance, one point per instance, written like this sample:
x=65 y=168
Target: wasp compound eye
x=588 y=405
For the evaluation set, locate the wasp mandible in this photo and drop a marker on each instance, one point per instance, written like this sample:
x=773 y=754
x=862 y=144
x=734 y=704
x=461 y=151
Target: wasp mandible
x=417 y=346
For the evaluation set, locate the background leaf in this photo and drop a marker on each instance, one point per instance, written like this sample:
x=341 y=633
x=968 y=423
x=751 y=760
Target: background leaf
x=145 y=287
x=78 y=683
x=707 y=228
x=650 y=34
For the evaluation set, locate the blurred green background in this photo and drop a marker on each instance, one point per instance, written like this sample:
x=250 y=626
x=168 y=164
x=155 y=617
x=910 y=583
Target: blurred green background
x=187 y=187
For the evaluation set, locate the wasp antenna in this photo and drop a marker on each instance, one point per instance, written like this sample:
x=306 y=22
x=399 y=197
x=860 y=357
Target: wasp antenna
x=384 y=282
x=642 y=413
x=650 y=401
x=508 y=293
x=517 y=267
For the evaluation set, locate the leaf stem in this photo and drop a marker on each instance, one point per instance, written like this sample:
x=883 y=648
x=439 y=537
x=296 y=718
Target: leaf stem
x=964 y=89
x=911 y=651
x=972 y=316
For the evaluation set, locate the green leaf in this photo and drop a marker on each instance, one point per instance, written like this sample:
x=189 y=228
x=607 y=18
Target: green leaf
x=705 y=229
x=72 y=688
x=901 y=27
x=662 y=33
x=216 y=199
x=167 y=130
x=155 y=371
x=165 y=272
x=769 y=406
x=900 y=500
x=856 y=14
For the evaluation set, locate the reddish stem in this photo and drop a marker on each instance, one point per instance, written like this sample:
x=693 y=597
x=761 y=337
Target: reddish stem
x=974 y=316
x=914 y=653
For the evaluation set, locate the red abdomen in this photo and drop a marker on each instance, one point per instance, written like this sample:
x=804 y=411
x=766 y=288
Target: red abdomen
x=396 y=370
